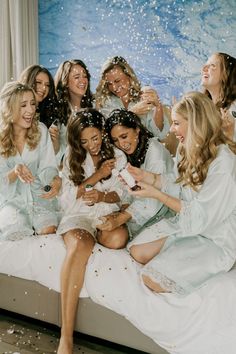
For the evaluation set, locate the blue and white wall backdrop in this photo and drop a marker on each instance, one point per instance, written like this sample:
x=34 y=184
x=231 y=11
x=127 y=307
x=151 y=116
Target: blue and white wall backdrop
x=166 y=42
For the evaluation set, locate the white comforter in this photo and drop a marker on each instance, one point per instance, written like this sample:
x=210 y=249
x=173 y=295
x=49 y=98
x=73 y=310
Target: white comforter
x=202 y=323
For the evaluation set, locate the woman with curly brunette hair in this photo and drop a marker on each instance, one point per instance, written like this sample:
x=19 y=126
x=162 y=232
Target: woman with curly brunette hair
x=89 y=159
x=219 y=82
x=72 y=82
x=182 y=253
x=27 y=165
x=128 y=134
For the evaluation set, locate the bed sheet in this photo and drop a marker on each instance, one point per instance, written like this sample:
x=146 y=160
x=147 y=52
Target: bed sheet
x=36 y=258
x=203 y=322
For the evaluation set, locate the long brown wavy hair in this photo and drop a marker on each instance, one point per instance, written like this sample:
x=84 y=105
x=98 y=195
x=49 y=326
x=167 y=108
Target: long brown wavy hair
x=228 y=81
x=204 y=135
x=88 y=118
x=61 y=84
x=49 y=108
x=10 y=105
x=103 y=92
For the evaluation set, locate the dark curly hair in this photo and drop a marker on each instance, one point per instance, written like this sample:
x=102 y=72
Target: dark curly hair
x=130 y=120
x=85 y=119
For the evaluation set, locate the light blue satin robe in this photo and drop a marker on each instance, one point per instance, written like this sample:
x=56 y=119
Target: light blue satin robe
x=22 y=211
x=202 y=236
x=157 y=160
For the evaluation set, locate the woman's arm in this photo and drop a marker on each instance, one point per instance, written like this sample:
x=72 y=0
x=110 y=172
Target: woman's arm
x=22 y=172
x=95 y=196
x=141 y=175
x=114 y=220
x=228 y=123
x=150 y=96
x=104 y=171
x=150 y=191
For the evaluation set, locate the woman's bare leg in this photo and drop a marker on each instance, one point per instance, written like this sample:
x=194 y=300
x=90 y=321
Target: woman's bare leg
x=145 y=252
x=48 y=230
x=79 y=245
x=153 y=285
x=115 y=239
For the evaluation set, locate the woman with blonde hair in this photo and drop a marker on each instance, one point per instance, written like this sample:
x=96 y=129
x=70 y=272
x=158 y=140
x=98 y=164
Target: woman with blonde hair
x=28 y=170
x=219 y=83
x=182 y=253
x=41 y=81
x=119 y=88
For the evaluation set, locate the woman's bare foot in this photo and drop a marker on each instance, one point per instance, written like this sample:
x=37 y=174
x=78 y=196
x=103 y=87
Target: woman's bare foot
x=65 y=345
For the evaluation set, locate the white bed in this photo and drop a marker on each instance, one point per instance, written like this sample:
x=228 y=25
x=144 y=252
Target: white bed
x=202 y=323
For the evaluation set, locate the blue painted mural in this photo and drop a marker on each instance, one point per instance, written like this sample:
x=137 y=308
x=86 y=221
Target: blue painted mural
x=166 y=42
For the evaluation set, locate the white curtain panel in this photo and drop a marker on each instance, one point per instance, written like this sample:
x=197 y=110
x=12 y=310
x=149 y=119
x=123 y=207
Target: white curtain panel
x=19 y=37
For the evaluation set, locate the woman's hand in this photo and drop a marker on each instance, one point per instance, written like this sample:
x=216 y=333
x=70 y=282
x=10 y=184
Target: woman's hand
x=146 y=191
x=106 y=168
x=80 y=191
x=109 y=222
x=55 y=135
x=93 y=196
x=150 y=96
x=142 y=107
x=228 y=122
x=23 y=173
x=55 y=188
x=142 y=175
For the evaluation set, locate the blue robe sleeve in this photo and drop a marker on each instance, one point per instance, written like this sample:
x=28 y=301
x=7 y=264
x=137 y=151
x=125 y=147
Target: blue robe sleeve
x=47 y=168
x=63 y=142
x=158 y=160
x=148 y=121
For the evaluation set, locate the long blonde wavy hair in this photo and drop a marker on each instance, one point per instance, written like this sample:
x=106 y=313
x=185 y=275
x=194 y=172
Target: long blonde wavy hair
x=204 y=135
x=102 y=90
x=10 y=106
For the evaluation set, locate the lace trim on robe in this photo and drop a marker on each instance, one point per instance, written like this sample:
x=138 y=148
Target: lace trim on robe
x=166 y=283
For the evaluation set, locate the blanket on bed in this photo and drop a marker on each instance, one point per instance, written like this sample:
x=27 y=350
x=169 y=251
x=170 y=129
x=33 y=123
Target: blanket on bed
x=203 y=322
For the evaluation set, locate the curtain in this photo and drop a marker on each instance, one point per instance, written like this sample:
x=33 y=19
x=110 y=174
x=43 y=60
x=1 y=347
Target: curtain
x=19 y=37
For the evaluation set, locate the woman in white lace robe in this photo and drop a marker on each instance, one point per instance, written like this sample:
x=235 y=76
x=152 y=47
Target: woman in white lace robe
x=89 y=159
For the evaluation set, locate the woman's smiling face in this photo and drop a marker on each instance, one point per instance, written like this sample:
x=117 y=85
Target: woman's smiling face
x=126 y=139
x=211 y=73
x=179 y=126
x=91 y=140
x=118 y=82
